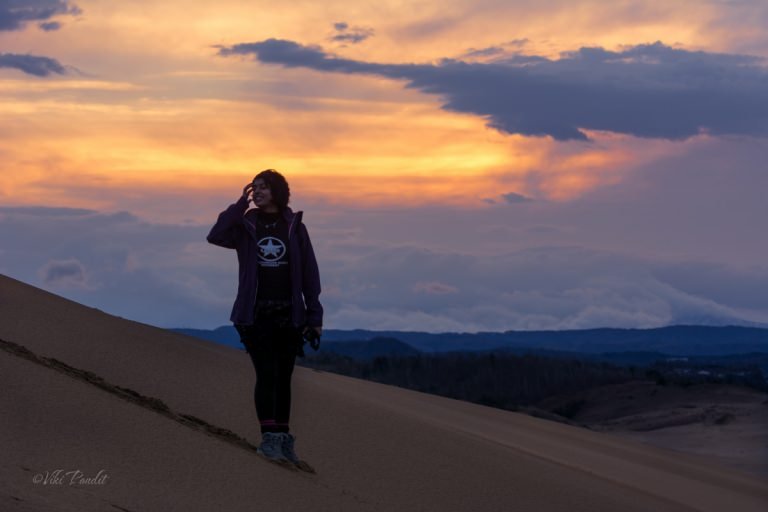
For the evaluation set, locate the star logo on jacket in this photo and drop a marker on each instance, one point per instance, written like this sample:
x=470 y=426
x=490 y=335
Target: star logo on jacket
x=271 y=248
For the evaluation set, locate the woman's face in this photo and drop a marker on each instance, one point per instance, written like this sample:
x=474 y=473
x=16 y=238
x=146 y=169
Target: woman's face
x=262 y=196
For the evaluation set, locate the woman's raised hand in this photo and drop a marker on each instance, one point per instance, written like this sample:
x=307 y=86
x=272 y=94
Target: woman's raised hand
x=247 y=190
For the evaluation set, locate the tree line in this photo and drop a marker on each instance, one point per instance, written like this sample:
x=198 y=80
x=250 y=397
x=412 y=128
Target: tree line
x=498 y=380
x=508 y=381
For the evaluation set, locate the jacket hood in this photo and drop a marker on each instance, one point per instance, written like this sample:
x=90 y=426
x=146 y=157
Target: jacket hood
x=288 y=213
x=291 y=217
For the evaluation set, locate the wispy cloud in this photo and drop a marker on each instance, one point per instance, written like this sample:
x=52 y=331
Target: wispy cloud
x=64 y=274
x=433 y=288
x=15 y=14
x=513 y=197
x=346 y=34
x=32 y=64
x=650 y=90
x=49 y=26
x=496 y=51
x=373 y=277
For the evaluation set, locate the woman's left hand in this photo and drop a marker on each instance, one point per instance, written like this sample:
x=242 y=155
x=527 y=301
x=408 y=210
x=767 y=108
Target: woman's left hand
x=314 y=341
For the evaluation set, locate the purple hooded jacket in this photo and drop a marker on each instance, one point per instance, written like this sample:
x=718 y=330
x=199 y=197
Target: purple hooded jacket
x=235 y=230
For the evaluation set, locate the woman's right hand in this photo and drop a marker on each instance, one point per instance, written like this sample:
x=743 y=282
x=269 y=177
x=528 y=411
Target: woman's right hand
x=247 y=190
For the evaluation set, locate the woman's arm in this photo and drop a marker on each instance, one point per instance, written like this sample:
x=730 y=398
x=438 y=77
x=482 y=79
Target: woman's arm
x=229 y=225
x=311 y=283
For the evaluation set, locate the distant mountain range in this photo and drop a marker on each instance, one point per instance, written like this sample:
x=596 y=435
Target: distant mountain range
x=679 y=340
x=369 y=349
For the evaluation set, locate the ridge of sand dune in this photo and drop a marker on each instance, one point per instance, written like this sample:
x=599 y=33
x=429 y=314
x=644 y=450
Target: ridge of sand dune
x=376 y=447
x=145 y=461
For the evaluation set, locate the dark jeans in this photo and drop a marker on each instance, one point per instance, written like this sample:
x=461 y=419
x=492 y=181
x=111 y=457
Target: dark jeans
x=272 y=342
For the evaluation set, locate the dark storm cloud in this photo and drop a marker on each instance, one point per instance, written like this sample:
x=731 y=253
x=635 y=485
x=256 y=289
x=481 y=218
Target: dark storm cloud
x=15 y=14
x=347 y=34
x=32 y=64
x=652 y=90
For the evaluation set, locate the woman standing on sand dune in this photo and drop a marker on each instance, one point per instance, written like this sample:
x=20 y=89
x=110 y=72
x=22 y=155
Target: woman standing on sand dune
x=277 y=304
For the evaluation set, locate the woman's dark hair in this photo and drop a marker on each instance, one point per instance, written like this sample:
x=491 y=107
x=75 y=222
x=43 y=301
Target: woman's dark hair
x=278 y=186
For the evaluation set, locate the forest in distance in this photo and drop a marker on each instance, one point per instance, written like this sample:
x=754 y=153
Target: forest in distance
x=680 y=340
x=515 y=381
x=517 y=370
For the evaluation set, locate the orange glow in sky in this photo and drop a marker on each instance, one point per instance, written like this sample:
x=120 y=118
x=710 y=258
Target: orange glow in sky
x=149 y=105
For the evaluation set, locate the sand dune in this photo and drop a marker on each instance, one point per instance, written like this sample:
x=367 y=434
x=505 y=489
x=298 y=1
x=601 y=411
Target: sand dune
x=726 y=423
x=375 y=447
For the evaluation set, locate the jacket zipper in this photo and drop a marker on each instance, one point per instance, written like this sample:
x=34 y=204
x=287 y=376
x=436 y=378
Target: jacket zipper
x=290 y=226
x=256 y=292
x=290 y=230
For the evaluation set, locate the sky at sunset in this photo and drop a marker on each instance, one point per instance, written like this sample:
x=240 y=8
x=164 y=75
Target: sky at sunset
x=463 y=165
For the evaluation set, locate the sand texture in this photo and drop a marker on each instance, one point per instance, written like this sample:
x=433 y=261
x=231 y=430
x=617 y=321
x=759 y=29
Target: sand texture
x=170 y=421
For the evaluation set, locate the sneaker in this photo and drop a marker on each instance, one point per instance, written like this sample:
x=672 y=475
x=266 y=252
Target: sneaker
x=288 y=453
x=271 y=446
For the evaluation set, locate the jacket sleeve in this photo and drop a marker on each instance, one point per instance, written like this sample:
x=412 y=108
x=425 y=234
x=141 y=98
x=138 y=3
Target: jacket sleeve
x=311 y=283
x=229 y=226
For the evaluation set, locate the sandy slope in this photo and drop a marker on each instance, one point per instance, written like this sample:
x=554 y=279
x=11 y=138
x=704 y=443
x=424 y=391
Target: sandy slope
x=375 y=447
x=726 y=423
